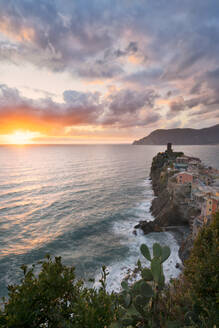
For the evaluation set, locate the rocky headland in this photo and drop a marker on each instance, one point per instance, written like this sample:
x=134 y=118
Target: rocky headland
x=206 y=136
x=170 y=205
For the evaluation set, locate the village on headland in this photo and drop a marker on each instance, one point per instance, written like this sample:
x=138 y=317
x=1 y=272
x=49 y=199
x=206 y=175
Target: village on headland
x=186 y=196
x=195 y=182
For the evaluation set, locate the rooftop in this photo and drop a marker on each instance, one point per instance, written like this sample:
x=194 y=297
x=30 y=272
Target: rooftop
x=185 y=173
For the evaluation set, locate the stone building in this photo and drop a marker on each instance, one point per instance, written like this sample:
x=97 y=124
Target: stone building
x=184 y=177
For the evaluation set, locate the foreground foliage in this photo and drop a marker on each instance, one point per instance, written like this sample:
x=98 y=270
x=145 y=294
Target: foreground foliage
x=56 y=299
x=139 y=303
x=195 y=296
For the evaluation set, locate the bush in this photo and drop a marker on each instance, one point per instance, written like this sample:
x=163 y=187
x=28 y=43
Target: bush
x=55 y=299
x=193 y=299
x=202 y=271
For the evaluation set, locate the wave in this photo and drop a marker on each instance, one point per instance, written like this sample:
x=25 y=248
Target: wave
x=121 y=269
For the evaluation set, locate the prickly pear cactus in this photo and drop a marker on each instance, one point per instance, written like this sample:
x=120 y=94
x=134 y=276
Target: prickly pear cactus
x=138 y=302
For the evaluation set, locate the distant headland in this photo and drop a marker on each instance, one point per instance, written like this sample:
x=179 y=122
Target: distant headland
x=206 y=136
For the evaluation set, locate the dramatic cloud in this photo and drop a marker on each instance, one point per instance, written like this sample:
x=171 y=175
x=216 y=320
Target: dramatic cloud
x=131 y=108
x=78 y=108
x=131 y=101
x=161 y=57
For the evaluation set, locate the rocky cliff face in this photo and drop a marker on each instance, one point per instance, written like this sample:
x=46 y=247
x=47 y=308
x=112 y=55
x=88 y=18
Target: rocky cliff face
x=204 y=136
x=170 y=206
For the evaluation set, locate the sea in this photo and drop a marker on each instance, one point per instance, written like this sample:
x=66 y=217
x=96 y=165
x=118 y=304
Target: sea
x=80 y=202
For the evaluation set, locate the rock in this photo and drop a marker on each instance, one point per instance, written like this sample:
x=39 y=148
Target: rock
x=169 y=207
x=185 y=248
x=148 y=227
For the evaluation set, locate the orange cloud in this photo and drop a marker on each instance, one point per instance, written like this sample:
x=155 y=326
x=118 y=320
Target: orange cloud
x=96 y=82
x=161 y=102
x=11 y=122
x=80 y=115
x=20 y=35
x=135 y=60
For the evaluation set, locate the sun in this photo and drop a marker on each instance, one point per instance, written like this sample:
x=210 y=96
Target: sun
x=21 y=137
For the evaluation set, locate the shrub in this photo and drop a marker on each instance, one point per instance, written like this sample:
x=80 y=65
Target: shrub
x=193 y=299
x=202 y=271
x=56 y=299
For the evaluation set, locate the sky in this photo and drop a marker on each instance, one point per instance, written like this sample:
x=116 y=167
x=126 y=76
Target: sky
x=106 y=71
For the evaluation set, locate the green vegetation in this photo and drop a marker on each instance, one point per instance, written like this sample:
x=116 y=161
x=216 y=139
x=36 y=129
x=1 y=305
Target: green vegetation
x=161 y=159
x=139 y=303
x=194 y=298
x=56 y=299
x=202 y=269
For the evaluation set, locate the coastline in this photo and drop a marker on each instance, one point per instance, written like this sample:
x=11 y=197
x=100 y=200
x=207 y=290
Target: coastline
x=183 y=190
x=179 y=232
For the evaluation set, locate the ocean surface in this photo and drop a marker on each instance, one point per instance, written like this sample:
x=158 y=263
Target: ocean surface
x=80 y=203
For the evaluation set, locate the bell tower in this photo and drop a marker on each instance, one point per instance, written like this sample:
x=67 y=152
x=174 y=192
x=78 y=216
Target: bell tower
x=169 y=147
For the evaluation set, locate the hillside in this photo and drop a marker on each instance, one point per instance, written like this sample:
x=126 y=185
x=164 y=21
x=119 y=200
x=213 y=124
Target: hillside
x=206 y=136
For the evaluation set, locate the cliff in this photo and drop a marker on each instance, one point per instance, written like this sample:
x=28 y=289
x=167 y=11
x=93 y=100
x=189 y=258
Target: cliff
x=170 y=206
x=182 y=137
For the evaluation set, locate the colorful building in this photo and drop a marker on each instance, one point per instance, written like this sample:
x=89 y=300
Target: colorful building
x=184 y=177
x=182 y=160
x=206 y=178
x=210 y=206
x=215 y=204
x=180 y=166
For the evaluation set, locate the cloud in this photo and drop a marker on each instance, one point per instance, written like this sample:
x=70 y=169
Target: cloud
x=54 y=39
x=205 y=92
x=132 y=48
x=78 y=108
x=127 y=108
x=177 y=105
x=80 y=99
x=64 y=33
x=145 y=77
x=122 y=108
x=107 y=66
x=131 y=100
x=169 y=48
x=206 y=99
x=99 y=69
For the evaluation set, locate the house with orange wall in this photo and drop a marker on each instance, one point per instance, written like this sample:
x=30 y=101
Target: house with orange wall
x=184 y=177
x=210 y=206
x=215 y=204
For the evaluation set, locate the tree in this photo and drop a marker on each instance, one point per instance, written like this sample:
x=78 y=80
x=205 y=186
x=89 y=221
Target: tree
x=55 y=299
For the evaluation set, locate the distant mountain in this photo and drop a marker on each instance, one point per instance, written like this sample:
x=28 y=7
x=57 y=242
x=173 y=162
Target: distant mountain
x=206 y=136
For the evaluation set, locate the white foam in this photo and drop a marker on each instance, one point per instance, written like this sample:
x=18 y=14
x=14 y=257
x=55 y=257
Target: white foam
x=119 y=270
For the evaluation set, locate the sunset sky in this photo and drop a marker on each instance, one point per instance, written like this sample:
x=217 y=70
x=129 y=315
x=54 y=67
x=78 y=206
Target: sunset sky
x=106 y=71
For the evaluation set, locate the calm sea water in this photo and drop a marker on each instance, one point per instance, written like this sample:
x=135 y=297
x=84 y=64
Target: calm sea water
x=81 y=203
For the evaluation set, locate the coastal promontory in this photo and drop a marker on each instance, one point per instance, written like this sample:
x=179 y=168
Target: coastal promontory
x=186 y=194
x=206 y=136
